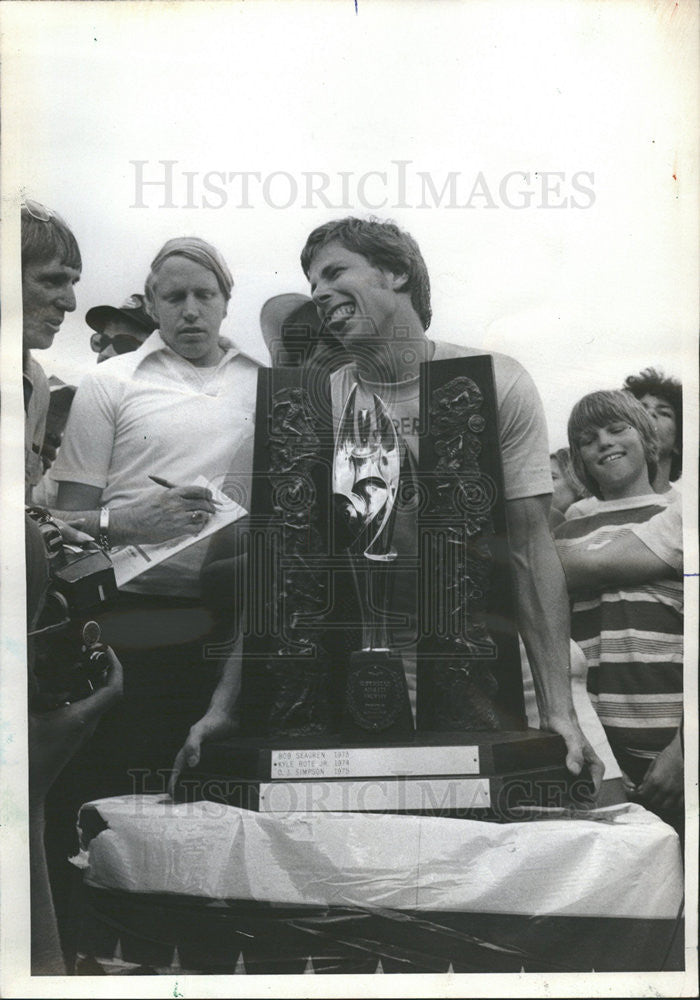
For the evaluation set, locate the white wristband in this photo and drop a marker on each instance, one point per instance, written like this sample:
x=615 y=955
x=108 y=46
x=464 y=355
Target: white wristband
x=103 y=536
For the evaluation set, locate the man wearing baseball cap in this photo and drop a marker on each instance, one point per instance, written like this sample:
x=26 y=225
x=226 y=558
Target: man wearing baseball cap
x=119 y=330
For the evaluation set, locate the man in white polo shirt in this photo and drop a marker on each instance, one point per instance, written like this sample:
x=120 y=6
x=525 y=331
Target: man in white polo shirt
x=179 y=407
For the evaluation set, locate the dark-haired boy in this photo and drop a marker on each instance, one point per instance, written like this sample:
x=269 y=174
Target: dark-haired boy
x=662 y=398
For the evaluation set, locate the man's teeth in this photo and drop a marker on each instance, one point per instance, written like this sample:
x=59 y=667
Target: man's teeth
x=611 y=458
x=342 y=312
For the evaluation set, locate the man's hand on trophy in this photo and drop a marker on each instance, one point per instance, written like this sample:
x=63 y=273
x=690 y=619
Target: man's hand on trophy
x=581 y=759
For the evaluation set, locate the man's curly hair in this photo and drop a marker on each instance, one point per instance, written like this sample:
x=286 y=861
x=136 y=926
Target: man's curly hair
x=653 y=382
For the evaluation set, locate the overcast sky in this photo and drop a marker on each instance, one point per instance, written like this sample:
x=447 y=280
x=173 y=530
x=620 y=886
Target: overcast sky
x=495 y=94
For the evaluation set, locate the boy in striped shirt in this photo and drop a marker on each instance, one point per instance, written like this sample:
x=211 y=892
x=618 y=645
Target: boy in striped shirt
x=622 y=553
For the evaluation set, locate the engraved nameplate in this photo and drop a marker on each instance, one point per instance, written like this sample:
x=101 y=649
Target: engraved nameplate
x=432 y=795
x=360 y=762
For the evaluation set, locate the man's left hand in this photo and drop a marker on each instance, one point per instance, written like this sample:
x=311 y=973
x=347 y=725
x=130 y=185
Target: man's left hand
x=71 y=534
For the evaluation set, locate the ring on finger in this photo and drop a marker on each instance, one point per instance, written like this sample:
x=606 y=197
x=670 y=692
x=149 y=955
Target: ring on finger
x=196 y=516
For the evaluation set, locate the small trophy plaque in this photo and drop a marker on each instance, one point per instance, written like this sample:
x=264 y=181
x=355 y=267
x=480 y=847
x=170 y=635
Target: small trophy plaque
x=366 y=473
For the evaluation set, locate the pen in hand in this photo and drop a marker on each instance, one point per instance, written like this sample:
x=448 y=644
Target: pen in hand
x=162 y=482
x=159 y=481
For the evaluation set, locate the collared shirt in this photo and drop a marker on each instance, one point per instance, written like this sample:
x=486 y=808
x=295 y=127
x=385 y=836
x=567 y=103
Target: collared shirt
x=36 y=408
x=152 y=412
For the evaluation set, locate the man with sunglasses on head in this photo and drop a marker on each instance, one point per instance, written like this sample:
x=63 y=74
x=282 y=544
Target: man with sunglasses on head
x=51 y=266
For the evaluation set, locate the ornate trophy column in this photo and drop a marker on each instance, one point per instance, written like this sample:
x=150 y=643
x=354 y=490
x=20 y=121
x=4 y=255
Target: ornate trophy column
x=366 y=473
x=469 y=671
x=292 y=659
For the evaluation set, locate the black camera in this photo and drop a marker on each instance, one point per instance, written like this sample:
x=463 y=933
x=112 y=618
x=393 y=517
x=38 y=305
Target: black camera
x=66 y=670
x=69 y=661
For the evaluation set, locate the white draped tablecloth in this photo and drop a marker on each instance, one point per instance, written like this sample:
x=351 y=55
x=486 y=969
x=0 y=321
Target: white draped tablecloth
x=620 y=861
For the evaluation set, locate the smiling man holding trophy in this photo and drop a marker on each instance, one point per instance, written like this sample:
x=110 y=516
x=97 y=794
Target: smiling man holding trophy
x=400 y=508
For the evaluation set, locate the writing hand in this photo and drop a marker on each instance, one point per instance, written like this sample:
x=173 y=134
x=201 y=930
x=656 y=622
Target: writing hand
x=170 y=513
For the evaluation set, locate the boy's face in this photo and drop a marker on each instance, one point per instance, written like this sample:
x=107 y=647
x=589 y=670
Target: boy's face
x=614 y=457
x=356 y=299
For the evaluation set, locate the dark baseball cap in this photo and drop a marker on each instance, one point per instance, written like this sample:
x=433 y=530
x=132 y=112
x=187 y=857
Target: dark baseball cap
x=132 y=309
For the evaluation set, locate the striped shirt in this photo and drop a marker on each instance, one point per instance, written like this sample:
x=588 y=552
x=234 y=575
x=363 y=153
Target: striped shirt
x=632 y=635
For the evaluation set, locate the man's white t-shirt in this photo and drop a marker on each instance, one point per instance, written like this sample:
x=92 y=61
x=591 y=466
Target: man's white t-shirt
x=524 y=456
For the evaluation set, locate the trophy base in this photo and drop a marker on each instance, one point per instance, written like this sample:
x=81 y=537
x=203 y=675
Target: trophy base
x=376 y=696
x=478 y=775
x=417 y=755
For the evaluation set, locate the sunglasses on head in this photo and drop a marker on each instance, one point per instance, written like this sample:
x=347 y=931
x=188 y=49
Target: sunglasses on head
x=121 y=343
x=38 y=211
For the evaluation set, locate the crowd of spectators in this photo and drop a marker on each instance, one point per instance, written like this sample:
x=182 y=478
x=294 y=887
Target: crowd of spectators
x=171 y=400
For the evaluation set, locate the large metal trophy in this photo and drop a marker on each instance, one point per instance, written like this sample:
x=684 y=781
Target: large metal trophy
x=325 y=714
x=366 y=475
